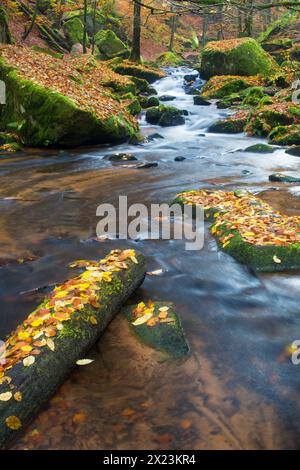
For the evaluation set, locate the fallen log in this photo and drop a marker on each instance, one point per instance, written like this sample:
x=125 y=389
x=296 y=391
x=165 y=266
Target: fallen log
x=248 y=229
x=42 y=351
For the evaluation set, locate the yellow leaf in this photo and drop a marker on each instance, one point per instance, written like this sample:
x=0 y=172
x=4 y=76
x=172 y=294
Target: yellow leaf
x=276 y=259
x=13 y=423
x=18 y=396
x=84 y=362
x=143 y=319
x=28 y=361
x=5 y=396
x=50 y=344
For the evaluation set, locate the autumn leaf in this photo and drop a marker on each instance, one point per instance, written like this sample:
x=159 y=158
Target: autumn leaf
x=18 y=396
x=5 y=396
x=84 y=362
x=13 y=423
x=79 y=418
x=143 y=319
x=28 y=361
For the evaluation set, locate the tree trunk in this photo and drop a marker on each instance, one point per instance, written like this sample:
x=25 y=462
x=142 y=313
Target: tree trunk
x=37 y=384
x=135 y=55
x=4 y=29
x=33 y=20
x=204 y=30
x=94 y=25
x=84 y=27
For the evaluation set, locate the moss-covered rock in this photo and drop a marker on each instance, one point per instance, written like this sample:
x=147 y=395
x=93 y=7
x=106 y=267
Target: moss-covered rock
x=165 y=116
x=271 y=244
x=231 y=125
x=231 y=100
x=260 y=148
x=242 y=56
x=41 y=116
x=285 y=135
x=150 y=74
x=110 y=45
x=200 y=101
x=133 y=106
x=74 y=30
x=282 y=178
x=264 y=119
x=151 y=102
x=162 y=331
x=224 y=86
x=142 y=86
x=169 y=59
x=9 y=143
x=253 y=96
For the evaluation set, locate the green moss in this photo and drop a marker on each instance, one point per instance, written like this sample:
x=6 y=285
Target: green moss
x=42 y=117
x=166 y=337
x=236 y=57
x=253 y=96
x=285 y=135
x=165 y=116
x=110 y=45
x=228 y=126
x=267 y=118
x=224 y=86
x=74 y=30
x=260 y=148
x=147 y=73
x=169 y=59
x=152 y=101
x=57 y=55
x=134 y=107
x=277 y=26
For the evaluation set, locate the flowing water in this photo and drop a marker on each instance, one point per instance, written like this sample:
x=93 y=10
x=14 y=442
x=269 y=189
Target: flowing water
x=238 y=389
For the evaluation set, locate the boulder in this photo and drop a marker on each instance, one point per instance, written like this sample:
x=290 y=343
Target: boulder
x=295 y=151
x=285 y=135
x=169 y=59
x=224 y=86
x=243 y=56
x=110 y=45
x=150 y=74
x=260 y=148
x=281 y=178
x=44 y=117
x=266 y=118
x=230 y=125
x=165 y=116
x=199 y=101
x=167 y=98
x=73 y=30
x=158 y=325
x=151 y=102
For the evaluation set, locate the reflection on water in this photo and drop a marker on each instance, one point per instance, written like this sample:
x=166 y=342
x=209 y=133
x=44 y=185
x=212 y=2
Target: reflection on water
x=238 y=389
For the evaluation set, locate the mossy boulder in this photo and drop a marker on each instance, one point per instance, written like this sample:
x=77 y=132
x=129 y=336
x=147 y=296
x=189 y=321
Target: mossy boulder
x=169 y=59
x=133 y=106
x=285 y=135
x=162 y=331
x=150 y=74
x=224 y=86
x=282 y=178
x=43 y=117
x=110 y=45
x=151 y=102
x=253 y=96
x=165 y=116
x=200 y=101
x=74 y=30
x=260 y=148
x=231 y=125
x=263 y=120
x=230 y=100
x=142 y=86
x=294 y=151
x=243 y=56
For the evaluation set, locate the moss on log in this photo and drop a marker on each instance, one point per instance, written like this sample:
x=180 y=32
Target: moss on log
x=42 y=351
x=249 y=229
x=161 y=328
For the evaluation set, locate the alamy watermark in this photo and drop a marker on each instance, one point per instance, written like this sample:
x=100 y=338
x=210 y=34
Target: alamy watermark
x=162 y=222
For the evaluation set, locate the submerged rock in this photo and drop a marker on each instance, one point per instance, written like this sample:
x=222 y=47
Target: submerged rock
x=282 y=178
x=190 y=77
x=158 y=326
x=167 y=98
x=295 y=151
x=165 y=116
x=179 y=159
x=199 y=101
x=242 y=56
x=143 y=166
x=121 y=157
x=260 y=148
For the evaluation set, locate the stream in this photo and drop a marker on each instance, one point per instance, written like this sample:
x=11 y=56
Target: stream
x=238 y=389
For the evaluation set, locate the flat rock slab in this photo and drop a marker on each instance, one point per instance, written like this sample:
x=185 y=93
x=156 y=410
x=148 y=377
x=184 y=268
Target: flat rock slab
x=158 y=325
x=249 y=229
